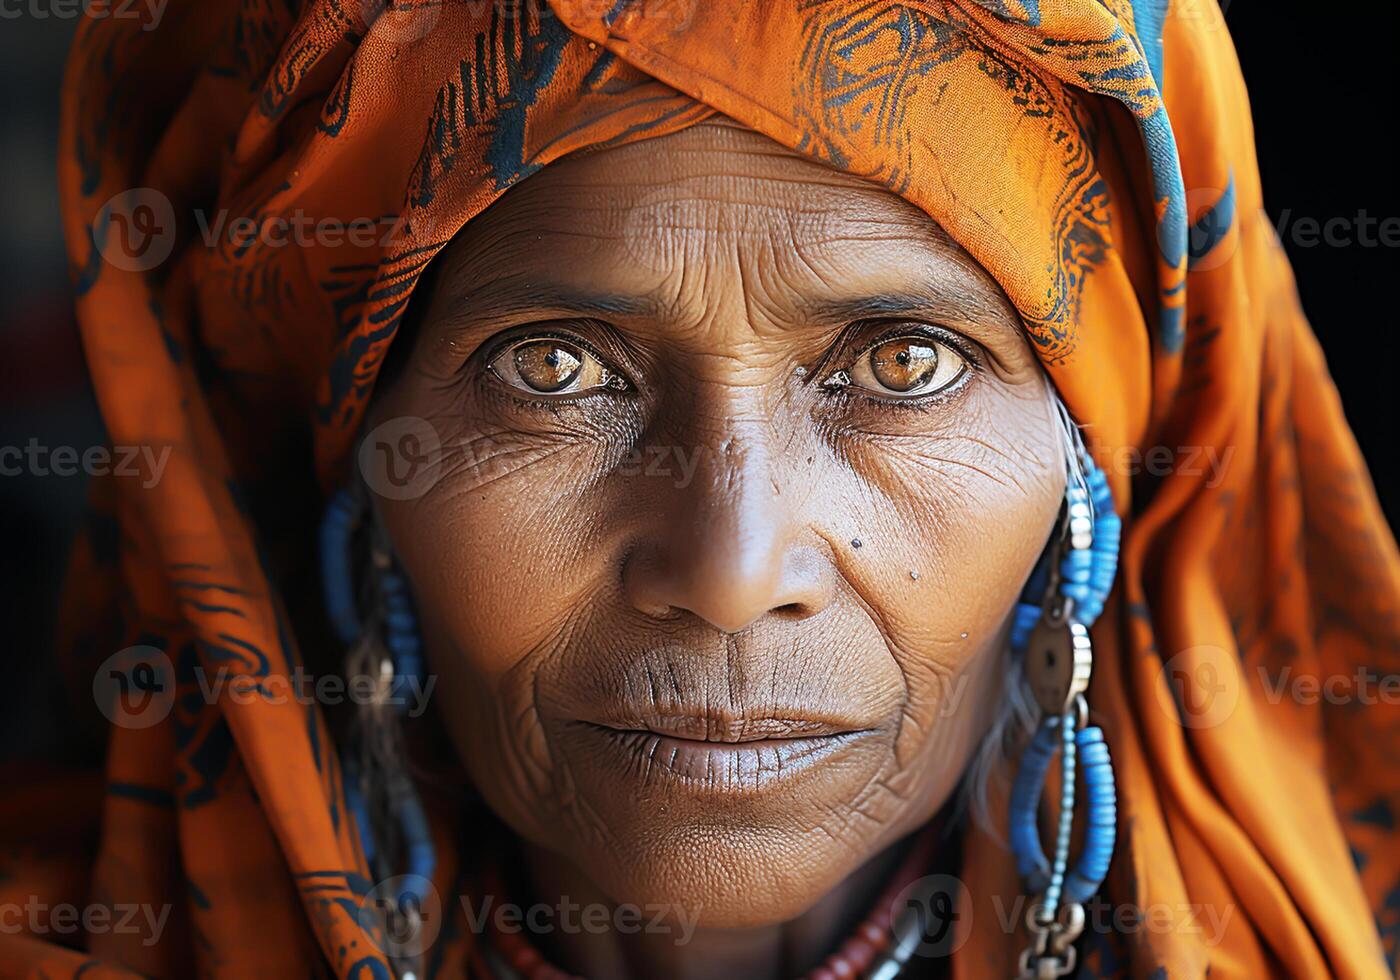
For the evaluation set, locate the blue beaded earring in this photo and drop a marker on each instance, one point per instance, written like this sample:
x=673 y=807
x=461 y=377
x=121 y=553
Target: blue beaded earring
x=1050 y=633
x=374 y=617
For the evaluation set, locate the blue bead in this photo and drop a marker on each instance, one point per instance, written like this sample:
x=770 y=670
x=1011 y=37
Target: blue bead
x=337 y=577
x=355 y=803
x=1026 y=616
x=399 y=619
x=1079 y=891
x=1025 y=798
x=1102 y=803
x=1097 y=765
x=1099 y=777
x=1100 y=780
x=1093 y=866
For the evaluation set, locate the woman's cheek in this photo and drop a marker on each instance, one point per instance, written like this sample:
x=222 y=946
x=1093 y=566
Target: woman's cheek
x=954 y=521
x=497 y=555
x=487 y=548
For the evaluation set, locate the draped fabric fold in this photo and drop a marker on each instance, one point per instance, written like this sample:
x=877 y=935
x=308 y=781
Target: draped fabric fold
x=1095 y=156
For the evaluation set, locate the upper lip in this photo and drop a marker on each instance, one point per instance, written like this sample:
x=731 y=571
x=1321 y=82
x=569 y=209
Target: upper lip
x=722 y=727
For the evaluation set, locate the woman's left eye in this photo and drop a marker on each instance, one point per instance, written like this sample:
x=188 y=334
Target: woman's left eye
x=903 y=367
x=550 y=366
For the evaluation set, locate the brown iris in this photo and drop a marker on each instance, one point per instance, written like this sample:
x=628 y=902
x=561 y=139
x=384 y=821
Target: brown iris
x=547 y=365
x=903 y=365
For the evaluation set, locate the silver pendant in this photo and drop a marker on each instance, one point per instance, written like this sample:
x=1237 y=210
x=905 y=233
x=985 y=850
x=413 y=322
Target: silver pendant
x=1059 y=658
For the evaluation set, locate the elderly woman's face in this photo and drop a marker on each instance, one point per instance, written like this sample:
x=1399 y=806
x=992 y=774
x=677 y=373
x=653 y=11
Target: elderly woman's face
x=743 y=467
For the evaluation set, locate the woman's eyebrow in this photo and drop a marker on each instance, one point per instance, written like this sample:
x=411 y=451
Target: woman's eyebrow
x=938 y=304
x=520 y=294
x=523 y=295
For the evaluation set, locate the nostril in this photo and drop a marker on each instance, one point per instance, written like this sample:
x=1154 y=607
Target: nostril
x=718 y=582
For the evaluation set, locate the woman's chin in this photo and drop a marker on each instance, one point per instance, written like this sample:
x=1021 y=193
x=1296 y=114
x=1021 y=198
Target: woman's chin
x=741 y=881
x=741 y=834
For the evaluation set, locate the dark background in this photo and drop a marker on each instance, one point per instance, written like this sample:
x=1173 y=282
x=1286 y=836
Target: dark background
x=1321 y=80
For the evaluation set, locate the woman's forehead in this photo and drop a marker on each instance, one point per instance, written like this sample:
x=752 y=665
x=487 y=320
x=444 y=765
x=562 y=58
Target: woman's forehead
x=677 y=217
x=710 y=167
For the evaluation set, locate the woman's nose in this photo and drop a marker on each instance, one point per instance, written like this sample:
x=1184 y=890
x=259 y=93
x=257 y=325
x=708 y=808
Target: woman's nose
x=730 y=546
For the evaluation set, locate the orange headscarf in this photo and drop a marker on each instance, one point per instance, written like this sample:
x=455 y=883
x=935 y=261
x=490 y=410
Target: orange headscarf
x=1095 y=156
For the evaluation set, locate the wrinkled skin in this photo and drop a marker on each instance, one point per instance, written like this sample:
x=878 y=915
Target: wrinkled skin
x=662 y=655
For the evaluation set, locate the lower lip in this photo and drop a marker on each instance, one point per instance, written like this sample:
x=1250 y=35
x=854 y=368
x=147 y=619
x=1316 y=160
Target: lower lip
x=725 y=767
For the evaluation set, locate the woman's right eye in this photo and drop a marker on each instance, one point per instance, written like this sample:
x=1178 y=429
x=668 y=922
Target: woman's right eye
x=547 y=367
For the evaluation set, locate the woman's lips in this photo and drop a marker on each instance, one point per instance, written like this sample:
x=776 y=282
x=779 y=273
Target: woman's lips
x=730 y=757
x=702 y=727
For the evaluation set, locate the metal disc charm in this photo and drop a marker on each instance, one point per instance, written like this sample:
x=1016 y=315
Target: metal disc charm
x=1059 y=658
